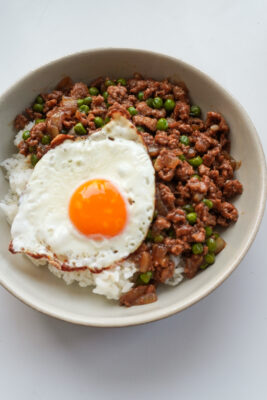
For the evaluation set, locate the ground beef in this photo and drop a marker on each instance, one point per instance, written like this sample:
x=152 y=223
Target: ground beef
x=149 y=123
x=137 y=85
x=184 y=171
x=176 y=246
x=197 y=186
x=177 y=216
x=202 y=143
x=184 y=186
x=228 y=211
x=79 y=91
x=49 y=104
x=216 y=123
x=204 y=215
x=181 y=111
x=161 y=138
x=161 y=223
x=232 y=188
x=55 y=95
x=199 y=235
x=117 y=107
x=180 y=94
x=145 y=110
x=165 y=198
x=165 y=164
x=116 y=94
x=20 y=122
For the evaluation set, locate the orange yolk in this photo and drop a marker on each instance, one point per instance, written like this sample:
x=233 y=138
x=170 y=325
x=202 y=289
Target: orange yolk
x=97 y=208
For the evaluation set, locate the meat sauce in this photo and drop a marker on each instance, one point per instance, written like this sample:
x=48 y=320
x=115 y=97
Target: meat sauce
x=194 y=170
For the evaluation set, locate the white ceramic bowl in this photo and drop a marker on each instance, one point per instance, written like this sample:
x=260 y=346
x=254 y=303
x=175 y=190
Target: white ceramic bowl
x=37 y=287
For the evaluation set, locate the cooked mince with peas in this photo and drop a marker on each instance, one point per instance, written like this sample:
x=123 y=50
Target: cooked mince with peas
x=194 y=170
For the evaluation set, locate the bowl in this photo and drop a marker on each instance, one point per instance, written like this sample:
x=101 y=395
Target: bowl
x=36 y=286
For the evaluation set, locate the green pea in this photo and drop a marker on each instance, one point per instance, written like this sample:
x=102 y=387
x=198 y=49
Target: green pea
x=93 y=91
x=34 y=159
x=157 y=102
x=39 y=120
x=196 y=176
x=211 y=243
x=197 y=248
x=39 y=100
x=210 y=258
x=31 y=149
x=80 y=102
x=169 y=105
x=149 y=102
x=87 y=101
x=140 y=128
x=162 y=124
x=133 y=111
x=109 y=83
x=38 y=107
x=149 y=235
x=26 y=135
x=158 y=239
x=195 y=111
x=204 y=266
x=140 y=96
x=182 y=157
x=196 y=161
x=209 y=231
x=107 y=119
x=84 y=109
x=146 y=276
x=208 y=203
x=191 y=217
x=122 y=81
x=184 y=140
x=188 y=208
x=98 y=122
x=105 y=95
x=80 y=129
x=46 y=139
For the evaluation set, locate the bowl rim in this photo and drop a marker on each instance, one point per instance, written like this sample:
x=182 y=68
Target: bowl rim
x=157 y=314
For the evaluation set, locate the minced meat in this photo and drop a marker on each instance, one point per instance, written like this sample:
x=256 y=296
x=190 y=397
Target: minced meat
x=194 y=170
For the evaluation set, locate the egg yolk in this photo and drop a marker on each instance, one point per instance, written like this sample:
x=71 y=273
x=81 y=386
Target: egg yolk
x=98 y=208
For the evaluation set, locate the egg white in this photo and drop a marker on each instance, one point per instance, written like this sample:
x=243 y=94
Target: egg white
x=42 y=226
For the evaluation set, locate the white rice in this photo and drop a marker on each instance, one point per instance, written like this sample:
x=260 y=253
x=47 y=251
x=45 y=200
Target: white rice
x=110 y=283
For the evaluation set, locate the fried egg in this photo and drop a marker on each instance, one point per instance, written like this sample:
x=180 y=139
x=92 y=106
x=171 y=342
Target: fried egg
x=88 y=203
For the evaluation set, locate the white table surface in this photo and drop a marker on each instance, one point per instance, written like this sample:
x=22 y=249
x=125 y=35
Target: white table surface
x=217 y=348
